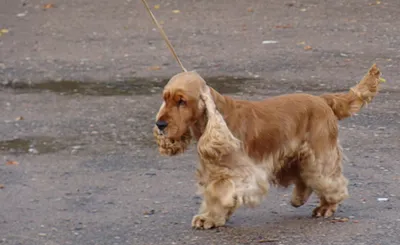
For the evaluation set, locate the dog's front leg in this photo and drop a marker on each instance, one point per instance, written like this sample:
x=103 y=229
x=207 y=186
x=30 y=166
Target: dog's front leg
x=218 y=205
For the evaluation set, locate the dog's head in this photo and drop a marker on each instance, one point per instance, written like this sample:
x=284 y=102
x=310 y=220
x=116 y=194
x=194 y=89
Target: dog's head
x=181 y=109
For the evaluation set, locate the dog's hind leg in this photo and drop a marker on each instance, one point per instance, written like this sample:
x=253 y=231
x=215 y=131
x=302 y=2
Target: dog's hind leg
x=328 y=183
x=333 y=191
x=301 y=193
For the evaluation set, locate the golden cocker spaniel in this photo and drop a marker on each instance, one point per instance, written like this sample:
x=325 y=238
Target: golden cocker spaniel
x=244 y=146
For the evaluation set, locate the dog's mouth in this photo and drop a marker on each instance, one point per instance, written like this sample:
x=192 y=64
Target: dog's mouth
x=168 y=146
x=163 y=134
x=169 y=135
x=160 y=132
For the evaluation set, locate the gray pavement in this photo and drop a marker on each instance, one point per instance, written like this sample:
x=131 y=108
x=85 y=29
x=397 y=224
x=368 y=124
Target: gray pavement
x=81 y=84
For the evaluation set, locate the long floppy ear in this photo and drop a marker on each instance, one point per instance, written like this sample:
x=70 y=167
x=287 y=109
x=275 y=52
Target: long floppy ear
x=217 y=140
x=204 y=91
x=209 y=103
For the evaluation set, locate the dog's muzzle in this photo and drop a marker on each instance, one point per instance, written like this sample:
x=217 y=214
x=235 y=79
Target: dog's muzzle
x=168 y=146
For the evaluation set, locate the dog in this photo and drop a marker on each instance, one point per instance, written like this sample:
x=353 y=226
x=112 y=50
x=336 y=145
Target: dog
x=245 y=146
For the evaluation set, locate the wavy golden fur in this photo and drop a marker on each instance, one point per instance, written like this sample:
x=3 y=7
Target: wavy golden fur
x=244 y=146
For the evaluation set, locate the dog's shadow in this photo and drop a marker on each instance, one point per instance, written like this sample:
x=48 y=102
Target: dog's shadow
x=277 y=221
x=271 y=227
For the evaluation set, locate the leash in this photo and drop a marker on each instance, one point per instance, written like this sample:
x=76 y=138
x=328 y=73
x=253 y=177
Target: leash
x=164 y=35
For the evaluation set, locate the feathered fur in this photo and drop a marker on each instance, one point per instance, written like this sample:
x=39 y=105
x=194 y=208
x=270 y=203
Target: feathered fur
x=346 y=104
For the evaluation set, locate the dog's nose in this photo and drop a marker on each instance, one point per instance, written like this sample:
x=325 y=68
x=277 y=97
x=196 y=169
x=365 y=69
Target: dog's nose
x=161 y=124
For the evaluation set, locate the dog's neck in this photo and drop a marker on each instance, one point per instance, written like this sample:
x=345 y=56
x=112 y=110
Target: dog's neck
x=224 y=105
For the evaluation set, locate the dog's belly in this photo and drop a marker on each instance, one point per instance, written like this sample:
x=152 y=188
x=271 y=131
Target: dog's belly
x=253 y=183
x=252 y=186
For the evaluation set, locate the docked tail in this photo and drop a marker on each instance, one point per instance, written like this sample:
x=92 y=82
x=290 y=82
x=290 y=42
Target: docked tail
x=346 y=104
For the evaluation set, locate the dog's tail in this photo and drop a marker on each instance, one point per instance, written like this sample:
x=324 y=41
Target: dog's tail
x=346 y=104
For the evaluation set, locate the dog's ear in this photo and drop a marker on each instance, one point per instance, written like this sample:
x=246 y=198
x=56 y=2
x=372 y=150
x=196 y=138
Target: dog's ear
x=204 y=95
x=208 y=100
x=205 y=92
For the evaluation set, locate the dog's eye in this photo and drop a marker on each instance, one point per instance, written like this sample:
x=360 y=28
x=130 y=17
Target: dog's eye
x=181 y=102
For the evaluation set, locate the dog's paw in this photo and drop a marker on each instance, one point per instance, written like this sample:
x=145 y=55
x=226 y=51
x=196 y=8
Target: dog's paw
x=297 y=202
x=300 y=195
x=204 y=222
x=325 y=211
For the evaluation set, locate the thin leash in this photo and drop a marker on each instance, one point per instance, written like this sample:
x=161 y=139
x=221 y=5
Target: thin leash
x=164 y=35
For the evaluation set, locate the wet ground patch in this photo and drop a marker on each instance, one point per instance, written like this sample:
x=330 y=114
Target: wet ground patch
x=135 y=86
x=32 y=145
